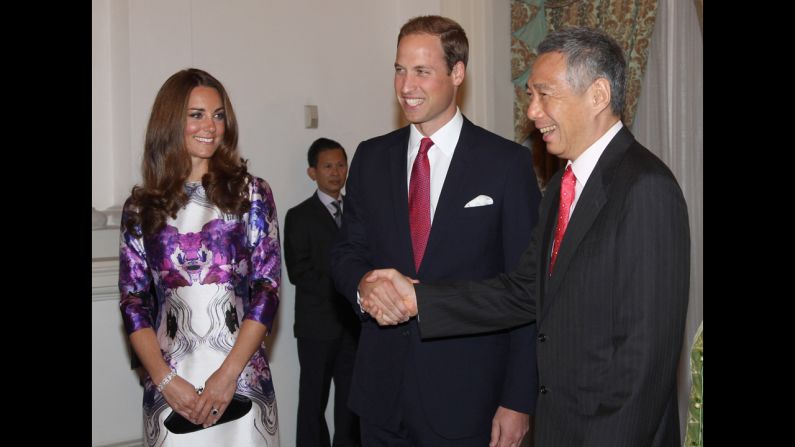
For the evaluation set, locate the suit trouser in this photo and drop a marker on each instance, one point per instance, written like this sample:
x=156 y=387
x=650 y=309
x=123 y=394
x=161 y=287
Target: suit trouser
x=321 y=361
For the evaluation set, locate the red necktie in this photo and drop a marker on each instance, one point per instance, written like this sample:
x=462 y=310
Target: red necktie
x=566 y=199
x=420 y=201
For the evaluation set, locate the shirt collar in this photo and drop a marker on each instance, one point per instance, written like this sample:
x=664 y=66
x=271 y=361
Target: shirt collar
x=327 y=199
x=584 y=165
x=446 y=138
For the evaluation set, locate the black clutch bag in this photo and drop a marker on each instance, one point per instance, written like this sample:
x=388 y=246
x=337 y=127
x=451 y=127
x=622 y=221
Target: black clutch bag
x=237 y=408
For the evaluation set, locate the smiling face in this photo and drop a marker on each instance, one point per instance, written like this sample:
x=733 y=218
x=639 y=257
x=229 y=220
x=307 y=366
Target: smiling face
x=204 y=128
x=424 y=88
x=564 y=117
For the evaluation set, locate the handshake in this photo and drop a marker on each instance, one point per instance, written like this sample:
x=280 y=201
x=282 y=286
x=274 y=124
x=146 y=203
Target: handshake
x=388 y=296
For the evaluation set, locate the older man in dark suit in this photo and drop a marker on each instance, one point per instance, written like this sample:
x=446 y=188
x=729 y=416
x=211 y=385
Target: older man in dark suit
x=439 y=199
x=325 y=326
x=606 y=275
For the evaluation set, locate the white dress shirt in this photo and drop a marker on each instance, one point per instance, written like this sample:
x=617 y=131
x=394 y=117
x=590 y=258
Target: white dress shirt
x=584 y=164
x=439 y=155
x=327 y=199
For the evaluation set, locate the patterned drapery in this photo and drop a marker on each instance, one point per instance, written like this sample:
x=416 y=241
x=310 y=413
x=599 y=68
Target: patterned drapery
x=630 y=22
x=528 y=28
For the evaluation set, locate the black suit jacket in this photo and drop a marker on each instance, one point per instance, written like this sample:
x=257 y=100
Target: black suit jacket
x=462 y=380
x=321 y=313
x=611 y=317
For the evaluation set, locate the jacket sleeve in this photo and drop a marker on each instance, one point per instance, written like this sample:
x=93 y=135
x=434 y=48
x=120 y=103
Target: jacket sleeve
x=519 y=216
x=301 y=269
x=473 y=307
x=350 y=254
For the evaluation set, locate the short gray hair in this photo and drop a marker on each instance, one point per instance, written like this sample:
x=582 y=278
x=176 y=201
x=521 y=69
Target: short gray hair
x=590 y=54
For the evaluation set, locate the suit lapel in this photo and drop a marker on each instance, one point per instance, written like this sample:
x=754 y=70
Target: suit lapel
x=450 y=201
x=549 y=214
x=594 y=197
x=588 y=207
x=323 y=213
x=398 y=157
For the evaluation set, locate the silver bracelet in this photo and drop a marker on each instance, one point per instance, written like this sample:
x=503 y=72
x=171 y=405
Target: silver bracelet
x=166 y=381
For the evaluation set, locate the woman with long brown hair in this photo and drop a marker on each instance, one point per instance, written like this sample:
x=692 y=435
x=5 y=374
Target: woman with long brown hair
x=200 y=273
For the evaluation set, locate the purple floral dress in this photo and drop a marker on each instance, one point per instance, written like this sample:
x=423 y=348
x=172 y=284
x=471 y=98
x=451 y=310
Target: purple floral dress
x=193 y=283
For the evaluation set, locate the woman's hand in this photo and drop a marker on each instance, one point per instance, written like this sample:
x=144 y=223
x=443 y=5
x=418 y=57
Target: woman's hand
x=213 y=400
x=181 y=397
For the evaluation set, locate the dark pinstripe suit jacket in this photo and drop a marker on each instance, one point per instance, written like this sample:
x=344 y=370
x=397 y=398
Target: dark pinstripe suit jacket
x=610 y=319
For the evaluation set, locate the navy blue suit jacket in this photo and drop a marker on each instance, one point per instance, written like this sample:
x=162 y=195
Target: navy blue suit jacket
x=462 y=380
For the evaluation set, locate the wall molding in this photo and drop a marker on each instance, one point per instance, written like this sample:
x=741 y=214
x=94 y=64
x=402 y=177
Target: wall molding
x=132 y=443
x=104 y=279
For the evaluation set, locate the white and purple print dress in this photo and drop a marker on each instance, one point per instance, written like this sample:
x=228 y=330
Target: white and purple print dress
x=193 y=283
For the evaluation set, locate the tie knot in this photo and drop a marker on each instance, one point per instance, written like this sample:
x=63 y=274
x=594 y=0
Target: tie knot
x=425 y=145
x=568 y=175
x=337 y=207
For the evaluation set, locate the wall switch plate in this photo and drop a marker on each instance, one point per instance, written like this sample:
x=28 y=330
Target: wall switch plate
x=310 y=117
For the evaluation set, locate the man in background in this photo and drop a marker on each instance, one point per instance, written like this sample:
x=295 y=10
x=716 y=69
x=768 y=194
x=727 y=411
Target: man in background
x=326 y=328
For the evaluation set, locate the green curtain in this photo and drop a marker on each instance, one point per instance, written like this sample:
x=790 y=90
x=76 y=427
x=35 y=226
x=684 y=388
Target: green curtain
x=695 y=414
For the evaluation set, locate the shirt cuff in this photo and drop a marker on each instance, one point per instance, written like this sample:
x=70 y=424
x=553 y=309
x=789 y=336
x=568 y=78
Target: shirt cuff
x=359 y=302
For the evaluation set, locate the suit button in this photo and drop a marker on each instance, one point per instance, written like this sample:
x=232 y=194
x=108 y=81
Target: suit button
x=405 y=332
x=543 y=389
x=542 y=338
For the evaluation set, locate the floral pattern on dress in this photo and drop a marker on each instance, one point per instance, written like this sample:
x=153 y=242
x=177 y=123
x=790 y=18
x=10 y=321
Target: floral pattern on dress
x=193 y=283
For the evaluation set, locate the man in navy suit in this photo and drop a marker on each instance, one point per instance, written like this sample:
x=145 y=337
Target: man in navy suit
x=606 y=275
x=325 y=327
x=481 y=200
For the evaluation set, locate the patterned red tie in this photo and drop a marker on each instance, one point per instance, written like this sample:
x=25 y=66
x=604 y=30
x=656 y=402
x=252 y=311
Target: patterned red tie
x=420 y=201
x=566 y=199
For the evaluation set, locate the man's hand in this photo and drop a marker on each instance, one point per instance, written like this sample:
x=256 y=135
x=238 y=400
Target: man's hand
x=508 y=428
x=392 y=300
x=379 y=298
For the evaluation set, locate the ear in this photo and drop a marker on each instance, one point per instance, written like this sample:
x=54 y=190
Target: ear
x=458 y=73
x=600 y=94
x=312 y=173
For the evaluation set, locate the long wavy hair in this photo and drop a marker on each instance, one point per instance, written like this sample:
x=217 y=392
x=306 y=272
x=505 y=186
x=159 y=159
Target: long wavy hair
x=166 y=164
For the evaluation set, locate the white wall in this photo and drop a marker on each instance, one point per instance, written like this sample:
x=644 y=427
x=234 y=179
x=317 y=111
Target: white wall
x=116 y=396
x=274 y=57
x=487 y=97
x=101 y=148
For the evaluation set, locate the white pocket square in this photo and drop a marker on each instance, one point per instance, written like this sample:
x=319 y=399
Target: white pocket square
x=480 y=200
